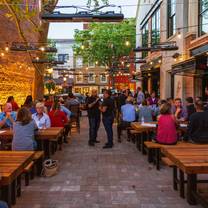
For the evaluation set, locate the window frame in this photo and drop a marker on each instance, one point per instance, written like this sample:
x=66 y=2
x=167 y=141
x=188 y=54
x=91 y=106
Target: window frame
x=93 y=76
x=201 y=13
x=171 y=18
x=106 y=79
x=145 y=38
x=155 y=24
x=81 y=78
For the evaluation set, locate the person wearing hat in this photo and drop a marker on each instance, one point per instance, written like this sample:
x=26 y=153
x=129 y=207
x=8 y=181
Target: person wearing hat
x=128 y=115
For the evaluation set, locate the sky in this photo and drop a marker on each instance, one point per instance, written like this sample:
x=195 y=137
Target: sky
x=66 y=30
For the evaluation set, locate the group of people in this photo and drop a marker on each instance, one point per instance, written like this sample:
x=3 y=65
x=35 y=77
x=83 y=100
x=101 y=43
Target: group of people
x=42 y=114
x=169 y=114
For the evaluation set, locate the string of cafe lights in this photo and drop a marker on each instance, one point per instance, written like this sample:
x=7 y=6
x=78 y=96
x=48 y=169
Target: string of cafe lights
x=122 y=5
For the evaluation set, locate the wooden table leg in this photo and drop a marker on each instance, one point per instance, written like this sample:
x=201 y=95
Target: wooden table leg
x=47 y=148
x=6 y=194
x=181 y=184
x=191 y=188
x=150 y=155
x=157 y=158
x=14 y=192
x=175 y=178
x=19 y=186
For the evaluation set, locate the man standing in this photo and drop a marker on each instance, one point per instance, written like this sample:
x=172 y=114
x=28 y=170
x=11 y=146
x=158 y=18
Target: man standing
x=107 y=109
x=140 y=96
x=93 y=116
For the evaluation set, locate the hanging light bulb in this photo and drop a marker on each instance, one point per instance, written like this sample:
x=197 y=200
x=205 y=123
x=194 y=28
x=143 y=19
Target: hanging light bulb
x=50 y=71
x=2 y=54
x=82 y=47
x=179 y=34
x=159 y=61
x=127 y=43
x=37 y=58
x=96 y=62
x=42 y=49
x=6 y=48
x=64 y=79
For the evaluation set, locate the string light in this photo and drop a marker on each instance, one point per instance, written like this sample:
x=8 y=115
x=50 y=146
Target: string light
x=2 y=54
x=96 y=62
x=159 y=61
x=37 y=58
x=82 y=47
x=64 y=79
x=127 y=43
x=50 y=71
x=42 y=49
x=179 y=34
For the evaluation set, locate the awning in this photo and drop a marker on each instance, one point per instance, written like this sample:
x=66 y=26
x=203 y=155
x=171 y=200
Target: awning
x=190 y=67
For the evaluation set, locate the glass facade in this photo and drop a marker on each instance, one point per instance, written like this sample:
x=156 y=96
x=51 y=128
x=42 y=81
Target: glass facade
x=203 y=17
x=171 y=18
x=155 y=28
x=145 y=34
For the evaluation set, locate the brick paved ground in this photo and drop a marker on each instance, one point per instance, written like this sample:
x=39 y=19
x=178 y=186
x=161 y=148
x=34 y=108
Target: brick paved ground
x=96 y=178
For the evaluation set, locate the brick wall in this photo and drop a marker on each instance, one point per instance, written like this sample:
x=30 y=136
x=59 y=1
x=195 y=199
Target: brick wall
x=16 y=69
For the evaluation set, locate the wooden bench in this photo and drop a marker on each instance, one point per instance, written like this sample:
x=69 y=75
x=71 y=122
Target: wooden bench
x=29 y=173
x=12 y=164
x=38 y=161
x=135 y=134
x=191 y=160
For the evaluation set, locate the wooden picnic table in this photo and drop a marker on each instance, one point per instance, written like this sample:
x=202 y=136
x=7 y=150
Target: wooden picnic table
x=44 y=137
x=12 y=164
x=191 y=160
x=147 y=126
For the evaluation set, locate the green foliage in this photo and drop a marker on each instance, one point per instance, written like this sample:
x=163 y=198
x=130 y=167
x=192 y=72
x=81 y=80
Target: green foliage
x=50 y=85
x=96 y=2
x=105 y=42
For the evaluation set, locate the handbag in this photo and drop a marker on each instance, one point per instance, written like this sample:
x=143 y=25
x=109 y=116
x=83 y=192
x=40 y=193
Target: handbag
x=50 y=168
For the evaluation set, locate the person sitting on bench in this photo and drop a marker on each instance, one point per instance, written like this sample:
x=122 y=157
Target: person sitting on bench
x=166 y=131
x=198 y=125
x=128 y=115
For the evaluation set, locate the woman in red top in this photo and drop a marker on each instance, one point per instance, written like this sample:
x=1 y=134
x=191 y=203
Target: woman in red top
x=58 y=118
x=15 y=106
x=166 y=132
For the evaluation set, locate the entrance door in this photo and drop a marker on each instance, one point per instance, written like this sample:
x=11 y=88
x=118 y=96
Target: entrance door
x=156 y=82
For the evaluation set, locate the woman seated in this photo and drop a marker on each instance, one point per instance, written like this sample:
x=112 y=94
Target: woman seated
x=166 y=132
x=145 y=112
x=41 y=118
x=58 y=118
x=23 y=131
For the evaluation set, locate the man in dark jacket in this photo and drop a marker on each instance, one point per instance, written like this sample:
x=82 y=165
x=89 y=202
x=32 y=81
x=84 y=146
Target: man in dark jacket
x=93 y=116
x=107 y=108
x=198 y=125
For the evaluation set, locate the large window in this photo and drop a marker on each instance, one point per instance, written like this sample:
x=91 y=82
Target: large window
x=103 y=78
x=91 y=77
x=145 y=34
x=203 y=17
x=155 y=27
x=63 y=57
x=171 y=17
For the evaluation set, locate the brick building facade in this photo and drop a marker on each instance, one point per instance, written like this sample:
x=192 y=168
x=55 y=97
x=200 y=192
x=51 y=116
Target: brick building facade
x=17 y=73
x=177 y=73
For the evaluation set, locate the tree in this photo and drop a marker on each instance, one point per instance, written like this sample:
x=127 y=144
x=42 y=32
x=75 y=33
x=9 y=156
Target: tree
x=105 y=43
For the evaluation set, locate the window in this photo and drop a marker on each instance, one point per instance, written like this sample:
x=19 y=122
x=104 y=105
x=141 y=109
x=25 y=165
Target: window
x=155 y=30
x=79 y=62
x=145 y=33
x=171 y=17
x=79 y=78
x=203 y=17
x=91 y=77
x=63 y=57
x=103 y=78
